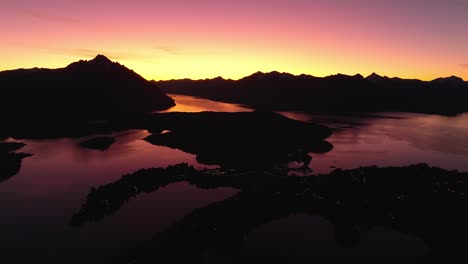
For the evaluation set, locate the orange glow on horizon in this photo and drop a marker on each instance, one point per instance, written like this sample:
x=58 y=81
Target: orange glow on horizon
x=236 y=68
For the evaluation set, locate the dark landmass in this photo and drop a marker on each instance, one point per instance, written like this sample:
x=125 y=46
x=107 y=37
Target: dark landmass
x=240 y=140
x=333 y=94
x=200 y=123
x=98 y=143
x=90 y=90
x=10 y=162
x=10 y=146
x=423 y=201
x=107 y=200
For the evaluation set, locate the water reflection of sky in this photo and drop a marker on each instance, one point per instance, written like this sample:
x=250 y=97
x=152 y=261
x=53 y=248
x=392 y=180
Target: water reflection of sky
x=436 y=140
x=186 y=103
x=38 y=202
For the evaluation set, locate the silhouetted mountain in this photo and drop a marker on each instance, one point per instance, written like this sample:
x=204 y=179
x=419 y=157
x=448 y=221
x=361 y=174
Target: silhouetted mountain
x=259 y=76
x=336 y=93
x=374 y=77
x=85 y=89
x=451 y=82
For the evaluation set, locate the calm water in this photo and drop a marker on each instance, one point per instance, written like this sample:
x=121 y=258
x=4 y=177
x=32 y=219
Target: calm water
x=38 y=202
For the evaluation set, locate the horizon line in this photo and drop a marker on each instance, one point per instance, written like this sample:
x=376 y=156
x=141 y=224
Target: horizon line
x=257 y=72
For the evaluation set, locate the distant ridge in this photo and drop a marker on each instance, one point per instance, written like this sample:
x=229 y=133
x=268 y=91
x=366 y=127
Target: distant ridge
x=331 y=94
x=260 y=74
x=85 y=89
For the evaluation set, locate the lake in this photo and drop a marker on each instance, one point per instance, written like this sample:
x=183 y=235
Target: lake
x=38 y=203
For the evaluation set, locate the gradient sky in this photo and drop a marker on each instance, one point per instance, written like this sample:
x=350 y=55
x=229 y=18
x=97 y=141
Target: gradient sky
x=421 y=39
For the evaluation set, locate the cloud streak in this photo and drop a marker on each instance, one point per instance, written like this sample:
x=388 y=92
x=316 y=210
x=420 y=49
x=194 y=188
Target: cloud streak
x=52 y=17
x=464 y=66
x=168 y=49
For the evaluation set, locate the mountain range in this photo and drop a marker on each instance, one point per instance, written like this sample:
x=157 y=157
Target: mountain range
x=333 y=94
x=100 y=88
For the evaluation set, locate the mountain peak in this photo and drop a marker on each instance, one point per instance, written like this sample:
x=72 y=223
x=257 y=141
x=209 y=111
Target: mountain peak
x=455 y=78
x=274 y=75
x=359 y=76
x=101 y=59
x=98 y=63
x=452 y=81
x=84 y=89
x=373 y=76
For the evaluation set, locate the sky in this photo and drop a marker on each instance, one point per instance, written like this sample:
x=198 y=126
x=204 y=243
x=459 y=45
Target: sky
x=162 y=39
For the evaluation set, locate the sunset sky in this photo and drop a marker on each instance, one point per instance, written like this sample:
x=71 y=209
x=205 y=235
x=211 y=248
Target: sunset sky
x=421 y=39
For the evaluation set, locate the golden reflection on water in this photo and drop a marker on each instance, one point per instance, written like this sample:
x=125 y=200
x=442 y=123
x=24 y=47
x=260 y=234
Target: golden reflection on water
x=193 y=104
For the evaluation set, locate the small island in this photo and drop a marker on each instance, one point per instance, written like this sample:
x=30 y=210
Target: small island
x=10 y=161
x=98 y=143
